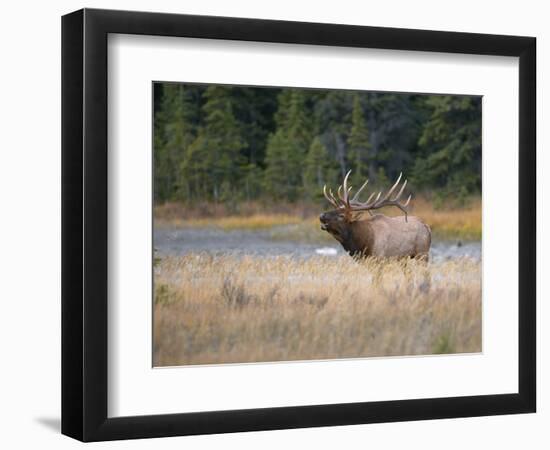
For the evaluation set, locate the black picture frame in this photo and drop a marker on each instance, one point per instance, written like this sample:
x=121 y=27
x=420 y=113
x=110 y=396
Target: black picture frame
x=84 y=224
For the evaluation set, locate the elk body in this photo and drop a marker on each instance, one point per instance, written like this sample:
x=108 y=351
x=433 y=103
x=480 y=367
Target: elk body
x=364 y=234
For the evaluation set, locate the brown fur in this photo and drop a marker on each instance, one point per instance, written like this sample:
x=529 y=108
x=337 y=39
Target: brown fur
x=379 y=235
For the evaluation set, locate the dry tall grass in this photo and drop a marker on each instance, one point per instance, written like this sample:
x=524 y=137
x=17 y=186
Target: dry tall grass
x=447 y=222
x=225 y=309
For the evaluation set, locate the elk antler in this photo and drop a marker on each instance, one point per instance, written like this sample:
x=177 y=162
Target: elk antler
x=343 y=202
x=343 y=197
x=330 y=197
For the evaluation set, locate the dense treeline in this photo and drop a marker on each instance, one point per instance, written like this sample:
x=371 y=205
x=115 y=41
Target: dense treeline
x=215 y=142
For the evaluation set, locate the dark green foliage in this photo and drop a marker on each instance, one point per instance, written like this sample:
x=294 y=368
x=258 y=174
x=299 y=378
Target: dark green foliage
x=255 y=110
x=319 y=170
x=226 y=143
x=298 y=126
x=282 y=175
x=214 y=165
x=175 y=125
x=450 y=147
x=394 y=122
x=359 y=144
x=288 y=147
x=332 y=113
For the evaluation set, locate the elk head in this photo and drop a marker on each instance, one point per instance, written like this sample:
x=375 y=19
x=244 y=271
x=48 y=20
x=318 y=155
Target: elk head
x=350 y=210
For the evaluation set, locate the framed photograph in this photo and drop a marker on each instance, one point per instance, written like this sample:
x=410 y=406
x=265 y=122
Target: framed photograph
x=273 y=224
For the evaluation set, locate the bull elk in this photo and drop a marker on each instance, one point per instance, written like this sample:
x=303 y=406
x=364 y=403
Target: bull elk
x=377 y=235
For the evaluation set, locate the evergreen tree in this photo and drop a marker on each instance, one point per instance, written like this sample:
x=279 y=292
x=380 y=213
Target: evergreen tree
x=298 y=126
x=174 y=132
x=284 y=100
x=451 y=146
x=214 y=163
x=239 y=143
x=332 y=113
x=252 y=182
x=254 y=109
x=282 y=176
x=319 y=170
x=394 y=123
x=288 y=147
x=358 y=143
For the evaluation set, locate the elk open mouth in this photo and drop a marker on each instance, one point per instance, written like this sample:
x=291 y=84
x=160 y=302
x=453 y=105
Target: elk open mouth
x=323 y=227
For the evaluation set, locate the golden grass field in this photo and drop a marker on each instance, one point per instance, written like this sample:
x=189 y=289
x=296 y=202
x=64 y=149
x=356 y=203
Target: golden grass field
x=229 y=309
x=446 y=222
